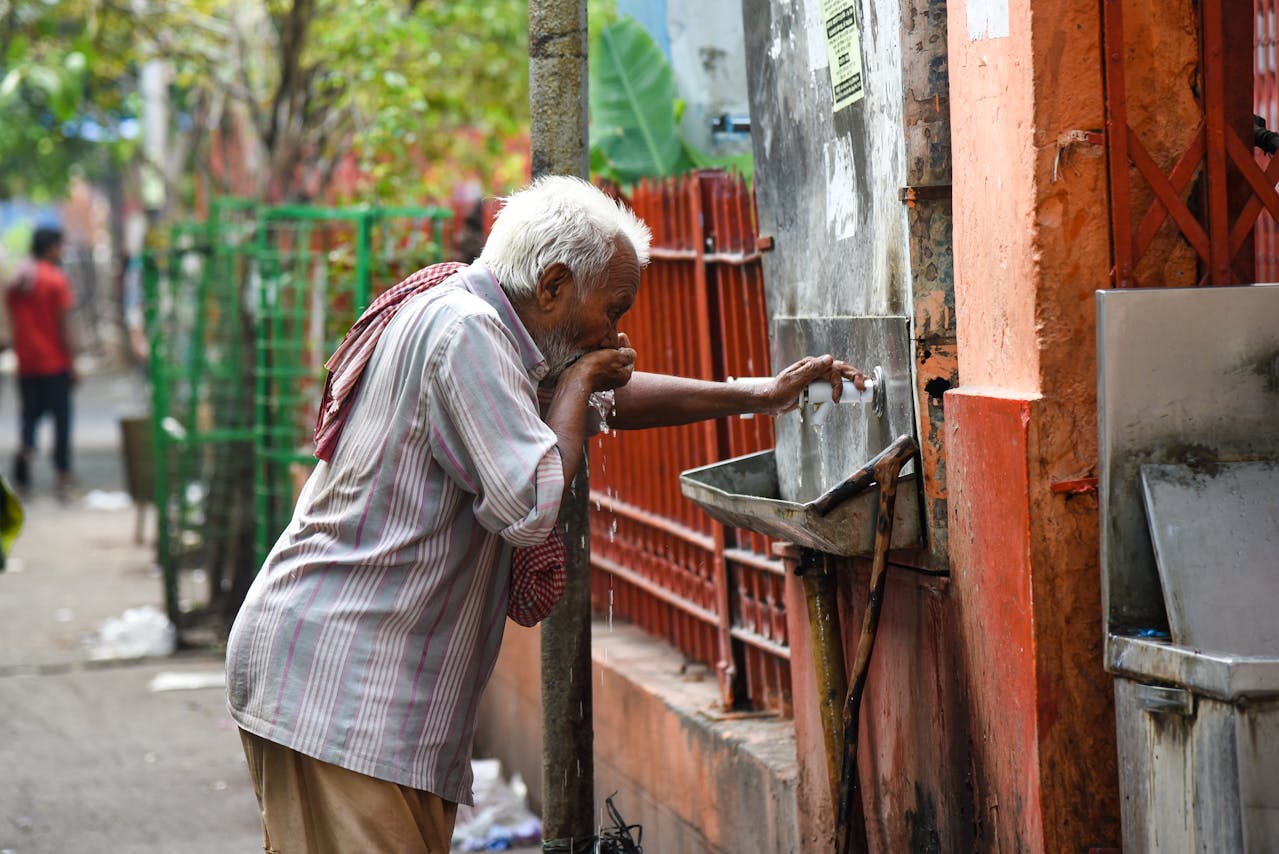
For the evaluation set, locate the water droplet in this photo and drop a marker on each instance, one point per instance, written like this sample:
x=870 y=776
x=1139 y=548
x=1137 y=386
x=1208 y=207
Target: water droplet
x=602 y=402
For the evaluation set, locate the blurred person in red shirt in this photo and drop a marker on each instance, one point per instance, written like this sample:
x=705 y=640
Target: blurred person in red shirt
x=39 y=299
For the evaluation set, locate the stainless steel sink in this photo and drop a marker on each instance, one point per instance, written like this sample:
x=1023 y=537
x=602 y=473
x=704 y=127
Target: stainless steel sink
x=744 y=492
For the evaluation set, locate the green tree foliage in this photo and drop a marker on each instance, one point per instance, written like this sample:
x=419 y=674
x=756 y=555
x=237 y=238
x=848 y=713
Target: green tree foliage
x=60 y=105
x=420 y=91
x=634 y=122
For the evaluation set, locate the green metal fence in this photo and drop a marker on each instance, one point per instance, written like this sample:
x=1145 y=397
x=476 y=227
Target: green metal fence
x=202 y=416
x=242 y=310
x=319 y=269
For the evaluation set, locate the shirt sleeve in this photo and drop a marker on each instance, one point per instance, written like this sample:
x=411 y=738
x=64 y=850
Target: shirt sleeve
x=487 y=434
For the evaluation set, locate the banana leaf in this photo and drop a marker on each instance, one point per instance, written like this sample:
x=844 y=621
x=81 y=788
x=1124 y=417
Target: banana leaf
x=633 y=106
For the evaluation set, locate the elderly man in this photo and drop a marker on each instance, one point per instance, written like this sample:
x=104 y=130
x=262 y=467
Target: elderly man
x=358 y=658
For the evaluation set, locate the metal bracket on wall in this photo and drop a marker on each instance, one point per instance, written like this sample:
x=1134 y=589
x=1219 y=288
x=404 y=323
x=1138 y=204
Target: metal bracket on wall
x=727 y=123
x=924 y=192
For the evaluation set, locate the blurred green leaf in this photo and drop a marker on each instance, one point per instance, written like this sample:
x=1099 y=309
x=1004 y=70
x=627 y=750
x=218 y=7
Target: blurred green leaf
x=635 y=111
x=632 y=94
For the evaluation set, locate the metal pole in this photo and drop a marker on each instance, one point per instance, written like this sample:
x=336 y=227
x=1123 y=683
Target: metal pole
x=558 y=142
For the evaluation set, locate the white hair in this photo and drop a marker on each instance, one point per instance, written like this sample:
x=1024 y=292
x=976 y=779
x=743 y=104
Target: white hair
x=564 y=219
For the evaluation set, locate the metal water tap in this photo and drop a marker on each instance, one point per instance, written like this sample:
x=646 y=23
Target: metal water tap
x=815 y=401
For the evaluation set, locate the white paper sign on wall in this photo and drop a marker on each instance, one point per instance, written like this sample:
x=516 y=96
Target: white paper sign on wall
x=987 y=19
x=844 y=51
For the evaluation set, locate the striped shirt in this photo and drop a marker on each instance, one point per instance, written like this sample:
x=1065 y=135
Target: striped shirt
x=370 y=632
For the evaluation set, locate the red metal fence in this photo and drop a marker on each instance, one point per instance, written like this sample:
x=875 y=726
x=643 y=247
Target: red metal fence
x=657 y=560
x=1265 y=96
x=1216 y=220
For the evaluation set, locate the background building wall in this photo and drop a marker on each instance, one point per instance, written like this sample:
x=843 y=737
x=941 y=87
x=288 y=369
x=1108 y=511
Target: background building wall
x=1032 y=244
x=703 y=42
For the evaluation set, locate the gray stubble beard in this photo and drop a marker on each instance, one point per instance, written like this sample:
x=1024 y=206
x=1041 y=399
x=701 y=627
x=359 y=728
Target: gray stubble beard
x=559 y=351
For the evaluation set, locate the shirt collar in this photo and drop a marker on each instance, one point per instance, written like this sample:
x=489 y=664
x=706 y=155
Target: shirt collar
x=479 y=280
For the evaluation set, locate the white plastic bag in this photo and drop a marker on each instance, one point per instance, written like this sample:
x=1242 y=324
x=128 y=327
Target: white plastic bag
x=137 y=633
x=500 y=818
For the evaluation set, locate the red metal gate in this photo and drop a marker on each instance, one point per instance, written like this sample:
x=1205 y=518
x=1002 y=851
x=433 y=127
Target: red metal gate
x=658 y=561
x=1215 y=191
x=1265 y=97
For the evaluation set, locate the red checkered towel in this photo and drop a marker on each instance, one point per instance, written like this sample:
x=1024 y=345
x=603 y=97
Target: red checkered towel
x=538 y=573
x=538 y=578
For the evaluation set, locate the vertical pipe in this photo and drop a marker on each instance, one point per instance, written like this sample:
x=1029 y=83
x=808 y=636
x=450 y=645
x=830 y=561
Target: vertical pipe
x=363 y=265
x=1237 y=111
x=261 y=426
x=159 y=410
x=828 y=661
x=558 y=146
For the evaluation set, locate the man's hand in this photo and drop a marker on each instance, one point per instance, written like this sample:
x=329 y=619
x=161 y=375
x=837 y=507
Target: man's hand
x=609 y=368
x=782 y=394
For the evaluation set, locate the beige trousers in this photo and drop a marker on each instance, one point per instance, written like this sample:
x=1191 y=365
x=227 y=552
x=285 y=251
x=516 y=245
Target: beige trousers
x=313 y=807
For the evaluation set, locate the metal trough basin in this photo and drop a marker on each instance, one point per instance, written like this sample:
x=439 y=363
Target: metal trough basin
x=743 y=492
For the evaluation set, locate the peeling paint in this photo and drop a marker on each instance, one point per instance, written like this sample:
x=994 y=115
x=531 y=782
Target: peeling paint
x=987 y=19
x=841 y=197
x=817 y=59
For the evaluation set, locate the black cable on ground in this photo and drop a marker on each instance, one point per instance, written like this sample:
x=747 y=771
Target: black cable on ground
x=612 y=840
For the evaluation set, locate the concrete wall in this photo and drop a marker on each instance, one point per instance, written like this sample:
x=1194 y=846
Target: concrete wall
x=827 y=183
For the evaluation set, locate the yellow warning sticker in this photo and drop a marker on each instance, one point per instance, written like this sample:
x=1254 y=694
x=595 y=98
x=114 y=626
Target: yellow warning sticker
x=844 y=50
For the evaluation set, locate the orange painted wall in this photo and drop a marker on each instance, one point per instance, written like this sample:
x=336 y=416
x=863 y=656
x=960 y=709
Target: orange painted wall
x=988 y=451
x=1032 y=244
x=993 y=167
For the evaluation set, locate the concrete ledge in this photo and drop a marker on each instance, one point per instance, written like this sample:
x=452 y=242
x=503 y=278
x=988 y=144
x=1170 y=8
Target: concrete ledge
x=695 y=780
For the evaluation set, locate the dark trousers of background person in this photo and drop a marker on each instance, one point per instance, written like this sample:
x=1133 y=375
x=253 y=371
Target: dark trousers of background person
x=47 y=395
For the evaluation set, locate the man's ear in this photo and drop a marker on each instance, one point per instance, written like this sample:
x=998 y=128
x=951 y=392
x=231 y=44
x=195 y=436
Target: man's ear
x=554 y=286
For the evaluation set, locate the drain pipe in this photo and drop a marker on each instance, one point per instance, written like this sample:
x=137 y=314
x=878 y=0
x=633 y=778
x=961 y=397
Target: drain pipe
x=558 y=146
x=827 y=643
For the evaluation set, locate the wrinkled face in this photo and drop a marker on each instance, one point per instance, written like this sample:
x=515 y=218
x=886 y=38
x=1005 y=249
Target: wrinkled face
x=587 y=320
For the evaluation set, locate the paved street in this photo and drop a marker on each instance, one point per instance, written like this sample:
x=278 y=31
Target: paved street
x=94 y=760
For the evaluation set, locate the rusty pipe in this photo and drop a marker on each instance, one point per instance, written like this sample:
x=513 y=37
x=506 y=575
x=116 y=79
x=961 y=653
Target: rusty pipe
x=827 y=644
x=850 y=829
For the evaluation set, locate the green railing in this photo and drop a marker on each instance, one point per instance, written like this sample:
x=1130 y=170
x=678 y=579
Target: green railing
x=202 y=416
x=242 y=310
